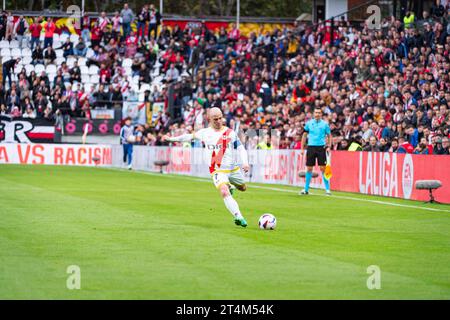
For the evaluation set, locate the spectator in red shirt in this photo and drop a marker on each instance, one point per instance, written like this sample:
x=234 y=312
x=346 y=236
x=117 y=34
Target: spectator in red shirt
x=49 y=28
x=96 y=35
x=105 y=74
x=35 y=30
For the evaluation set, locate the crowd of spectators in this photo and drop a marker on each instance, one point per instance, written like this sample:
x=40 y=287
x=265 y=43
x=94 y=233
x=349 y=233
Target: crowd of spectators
x=384 y=89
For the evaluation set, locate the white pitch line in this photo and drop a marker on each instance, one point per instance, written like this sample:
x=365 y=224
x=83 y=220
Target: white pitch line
x=355 y=199
x=199 y=179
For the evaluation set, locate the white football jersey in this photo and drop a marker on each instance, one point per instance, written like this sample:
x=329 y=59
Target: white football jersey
x=220 y=147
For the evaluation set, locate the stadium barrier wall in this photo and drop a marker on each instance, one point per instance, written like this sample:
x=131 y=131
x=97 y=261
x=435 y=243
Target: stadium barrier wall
x=382 y=174
x=56 y=154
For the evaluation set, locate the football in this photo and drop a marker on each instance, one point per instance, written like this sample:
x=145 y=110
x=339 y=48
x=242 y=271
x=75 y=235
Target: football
x=267 y=221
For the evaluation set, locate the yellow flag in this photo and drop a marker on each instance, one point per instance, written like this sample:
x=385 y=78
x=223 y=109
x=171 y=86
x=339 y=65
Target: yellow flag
x=328 y=174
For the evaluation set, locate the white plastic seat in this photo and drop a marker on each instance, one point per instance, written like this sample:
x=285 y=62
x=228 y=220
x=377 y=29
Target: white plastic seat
x=55 y=37
x=63 y=37
x=82 y=61
x=74 y=38
x=95 y=79
x=39 y=68
x=16 y=53
x=93 y=70
x=85 y=79
x=127 y=63
x=89 y=53
x=144 y=87
x=70 y=61
x=26 y=52
x=29 y=68
x=59 y=53
x=5 y=52
x=4 y=44
x=14 y=44
x=51 y=77
x=26 y=61
x=51 y=68
x=59 y=61
x=84 y=70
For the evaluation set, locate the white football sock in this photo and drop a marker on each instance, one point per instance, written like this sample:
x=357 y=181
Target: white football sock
x=232 y=206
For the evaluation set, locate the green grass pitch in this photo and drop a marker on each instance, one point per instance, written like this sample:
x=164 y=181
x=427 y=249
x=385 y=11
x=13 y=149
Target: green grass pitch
x=137 y=235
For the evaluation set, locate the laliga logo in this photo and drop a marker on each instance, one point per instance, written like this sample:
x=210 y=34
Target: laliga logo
x=407 y=176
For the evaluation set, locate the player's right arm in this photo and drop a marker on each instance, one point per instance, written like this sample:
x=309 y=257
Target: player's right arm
x=187 y=137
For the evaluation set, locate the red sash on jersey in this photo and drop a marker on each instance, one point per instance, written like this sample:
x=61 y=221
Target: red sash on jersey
x=216 y=158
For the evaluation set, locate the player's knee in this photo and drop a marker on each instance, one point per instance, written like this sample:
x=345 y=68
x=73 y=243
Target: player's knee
x=224 y=191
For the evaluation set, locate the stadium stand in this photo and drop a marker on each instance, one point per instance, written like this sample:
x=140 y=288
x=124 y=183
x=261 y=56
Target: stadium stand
x=382 y=90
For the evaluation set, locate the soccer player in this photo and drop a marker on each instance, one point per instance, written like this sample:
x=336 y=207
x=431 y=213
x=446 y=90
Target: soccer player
x=220 y=144
x=319 y=142
x=126 y=139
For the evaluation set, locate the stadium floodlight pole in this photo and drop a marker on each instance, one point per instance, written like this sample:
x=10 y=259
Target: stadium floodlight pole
x=238 y=7
x=161 y=2
x=82 y=8
x=4 y=5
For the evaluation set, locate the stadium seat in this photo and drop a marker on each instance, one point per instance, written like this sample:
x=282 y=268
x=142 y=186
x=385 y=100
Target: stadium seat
x=39 y=68
x=5 y=52
x=59 y=53
x=85 y=78
x=74 y=38
x=4 y=44
x=95 y=79
x=82 y=61
x=127 y=63
x=57 y=44
x=51 y=68
x=90 y=53
x=84 y=70
x=16 y=53
x=56 y=37
x=26 y=60
x=29 y=68
x=14 y=44
x=63 y=37
x=26 y=52
x=59 y=61
x=70 y=61
x=93 y=70
x=144 y=87
x=17 y=69
x=51 y=77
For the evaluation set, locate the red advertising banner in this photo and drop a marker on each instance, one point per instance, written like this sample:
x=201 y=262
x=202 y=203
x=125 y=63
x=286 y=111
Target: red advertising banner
x=390 y=174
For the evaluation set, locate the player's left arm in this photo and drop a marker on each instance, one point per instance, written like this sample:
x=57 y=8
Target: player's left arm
x=242 y=153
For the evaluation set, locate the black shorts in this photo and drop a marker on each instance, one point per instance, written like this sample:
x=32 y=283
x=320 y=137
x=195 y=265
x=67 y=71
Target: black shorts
x=313 y=153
